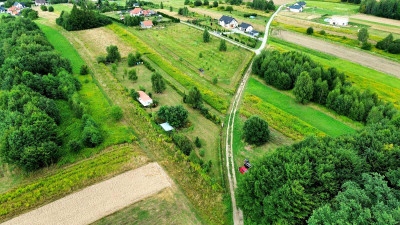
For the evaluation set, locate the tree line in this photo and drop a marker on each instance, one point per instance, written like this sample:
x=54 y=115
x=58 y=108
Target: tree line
x=263 y=5
x=80 y=19
x=32 y=77
x=389 y=44
x=383 y=8
x=311 y=82
x=351 y=179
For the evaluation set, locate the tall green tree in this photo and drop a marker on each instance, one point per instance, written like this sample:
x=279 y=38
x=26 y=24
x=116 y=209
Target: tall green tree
x=363 y=35
x=113 y=54
x=206 y=36
x=157 y=82
x=304 y=88
x=256 y=131
x=222 y=46
x=176 y=116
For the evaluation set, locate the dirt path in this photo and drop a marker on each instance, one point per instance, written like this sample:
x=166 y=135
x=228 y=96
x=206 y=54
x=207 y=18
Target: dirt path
x=99 y=200
x=368 y=60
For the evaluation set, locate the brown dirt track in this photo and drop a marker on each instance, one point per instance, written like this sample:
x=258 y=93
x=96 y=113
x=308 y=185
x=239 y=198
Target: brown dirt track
x=352 y=55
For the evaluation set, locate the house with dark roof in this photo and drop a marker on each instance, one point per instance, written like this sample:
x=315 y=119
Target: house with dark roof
x=40 y=2
x=254 y=33
x=245 y=27
x=19 y=5
x=3 y=10
x=301 y=3
x=228 y=22
x=136 y=5
x=295 y=8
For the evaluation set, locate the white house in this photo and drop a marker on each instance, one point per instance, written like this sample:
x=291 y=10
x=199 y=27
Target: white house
x=228 y=22
x=136 y=12
x=339 y=21
x=144 y=99
x=245 y=27
x=295 y=8
x=146 y=24
x=301 y=3
x=40 y=2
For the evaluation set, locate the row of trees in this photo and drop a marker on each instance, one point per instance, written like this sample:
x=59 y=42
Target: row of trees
x=263 y=5
x=32 y=77
x=80 y=19
x=312 y=82
x=302 y=183
x=382 y=8
x=390 y=45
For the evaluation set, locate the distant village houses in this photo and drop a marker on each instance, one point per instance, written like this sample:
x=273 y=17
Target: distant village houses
x=40 y=2
x=141 y=12
x=297 y=7
x=228 y=22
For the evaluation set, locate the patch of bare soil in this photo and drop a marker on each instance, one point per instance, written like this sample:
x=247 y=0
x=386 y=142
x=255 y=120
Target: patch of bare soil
x=99 y=200
x=352 y=55
x=377 y=19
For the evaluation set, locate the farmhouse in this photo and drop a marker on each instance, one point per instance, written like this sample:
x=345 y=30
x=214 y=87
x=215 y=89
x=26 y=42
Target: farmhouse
x=228 y=22
x=40 y=2
x=295 y=8
x=136 y=12
x=146 y=24
x=2 y=10
x=245 y=27
x=144 y=99
x=149 y=12
x=339 y=21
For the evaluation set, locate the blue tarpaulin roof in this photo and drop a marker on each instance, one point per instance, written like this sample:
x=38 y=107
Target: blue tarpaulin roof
x=166 y=126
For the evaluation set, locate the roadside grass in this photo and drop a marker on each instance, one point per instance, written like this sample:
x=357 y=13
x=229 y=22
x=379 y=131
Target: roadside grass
x=386 y=86
x=54 y=183
x=198 y=126
x=166 y=207
x=314 y=117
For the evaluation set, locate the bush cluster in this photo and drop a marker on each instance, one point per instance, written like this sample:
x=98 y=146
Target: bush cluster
x=390 y=45
x=81 y=19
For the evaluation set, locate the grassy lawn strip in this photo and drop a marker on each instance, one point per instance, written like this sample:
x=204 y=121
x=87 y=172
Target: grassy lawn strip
x=65 y=180
x=386 y=86
x=315 y=118
x=287 y=124
x=211 y=98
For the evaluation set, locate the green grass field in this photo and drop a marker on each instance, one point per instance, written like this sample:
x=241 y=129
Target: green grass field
x=331 y=8
x=62 y=7
x=387 y=87
x=315 y=118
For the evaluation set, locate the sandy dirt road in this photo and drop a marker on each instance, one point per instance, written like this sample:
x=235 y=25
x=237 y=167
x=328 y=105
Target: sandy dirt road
x=368 y=60
x=99 y=200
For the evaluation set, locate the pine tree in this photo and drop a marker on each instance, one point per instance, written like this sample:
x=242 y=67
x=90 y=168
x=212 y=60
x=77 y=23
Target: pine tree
x=206 y=36
x=222 y=46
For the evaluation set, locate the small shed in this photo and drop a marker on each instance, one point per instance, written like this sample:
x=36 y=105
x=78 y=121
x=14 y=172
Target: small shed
x=339 y=21
x=165 y=126
x=144 y=99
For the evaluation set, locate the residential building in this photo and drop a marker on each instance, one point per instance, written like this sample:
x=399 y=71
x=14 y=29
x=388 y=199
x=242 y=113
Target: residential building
x=19 y=5
x=144 y=99
x=146 y=24
x=40 y=2
x=3 y=10
x=136 y=12
x=228 y=22
x=295 y=8
x=245 y=27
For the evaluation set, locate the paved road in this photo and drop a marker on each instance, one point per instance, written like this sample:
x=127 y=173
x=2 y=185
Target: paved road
x=353 y=55
x=99 y=200
x=237 y=213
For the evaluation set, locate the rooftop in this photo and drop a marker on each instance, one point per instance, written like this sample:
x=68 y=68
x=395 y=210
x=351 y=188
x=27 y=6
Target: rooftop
x=166 y=127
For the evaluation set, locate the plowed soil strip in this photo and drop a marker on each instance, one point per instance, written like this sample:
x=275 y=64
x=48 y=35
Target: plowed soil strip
x=356 y=56
x=99 y=200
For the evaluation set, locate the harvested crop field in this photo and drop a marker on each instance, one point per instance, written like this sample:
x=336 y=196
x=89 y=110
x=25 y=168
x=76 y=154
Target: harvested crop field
x=99 y=200
x=377 y=19
x=359 y=57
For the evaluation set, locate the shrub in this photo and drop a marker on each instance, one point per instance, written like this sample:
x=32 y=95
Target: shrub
x=74 y=145
x=176 y=116
x=132 y=75
x=43 y=8
x=202 y=152
x=366 y=45
x=113 y=54
x=101 y=59
x=158 y=83
x=134 y=94
x=394 y=47
x=222 y=46
x=183 y=143
x=197 y=142
x=91 y=134
x=194 y=98
x=116 y=113
x=133 y=59
x=310 y=31
x=84 y=70
x=215 y=4
x=197 y=3
x=51 y=9
x=255 y=131
x=215 y=80
x=322 y=32
x=206 y=36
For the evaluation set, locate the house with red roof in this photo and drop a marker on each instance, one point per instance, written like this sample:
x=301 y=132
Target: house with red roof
x=136 y=12
x=146 y=24
x=144 y=99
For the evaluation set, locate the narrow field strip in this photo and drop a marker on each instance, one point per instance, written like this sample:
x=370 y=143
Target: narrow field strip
x=311 y=116
x=99 y=200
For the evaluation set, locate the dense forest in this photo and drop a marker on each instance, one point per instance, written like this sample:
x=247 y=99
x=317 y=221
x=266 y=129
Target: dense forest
x=80 y=19
x=383 y=8
x=351 y=179
x=32 y=77
x=302 y=182
x=311 y=82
